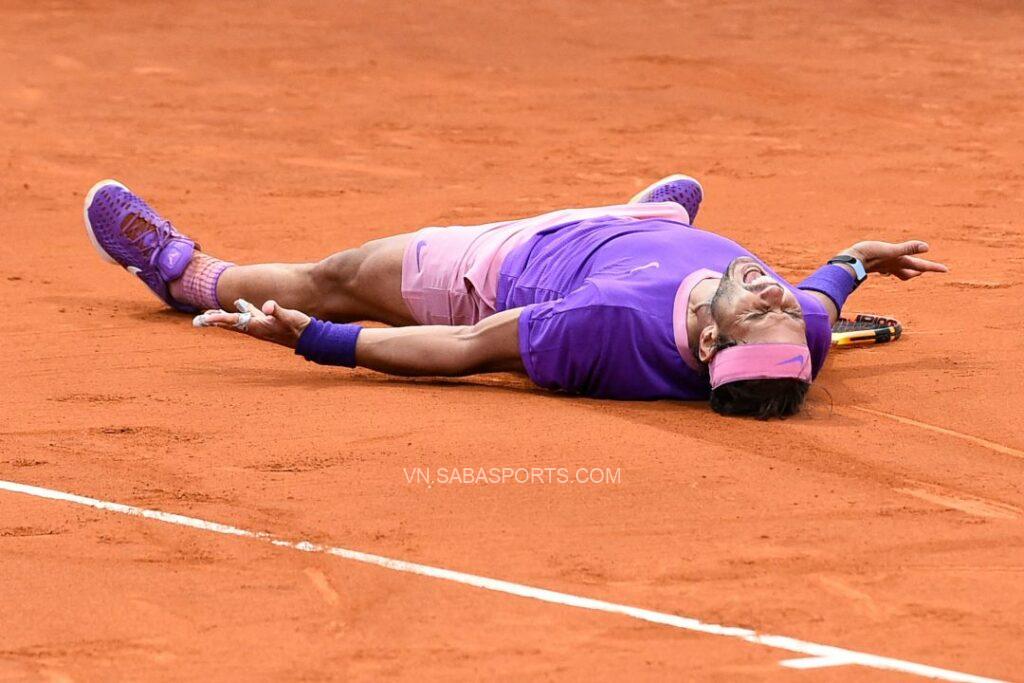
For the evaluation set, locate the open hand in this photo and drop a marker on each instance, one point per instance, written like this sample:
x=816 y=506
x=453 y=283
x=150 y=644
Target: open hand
x=272 y=323
x=900 y=259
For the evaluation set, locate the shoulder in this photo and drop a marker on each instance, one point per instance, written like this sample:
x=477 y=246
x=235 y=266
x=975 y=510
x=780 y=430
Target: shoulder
x=819 y=329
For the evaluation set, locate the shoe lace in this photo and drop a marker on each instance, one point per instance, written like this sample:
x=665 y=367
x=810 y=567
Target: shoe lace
x=150 y=238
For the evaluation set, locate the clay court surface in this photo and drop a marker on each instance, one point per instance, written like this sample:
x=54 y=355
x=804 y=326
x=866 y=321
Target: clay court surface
x=887 y=519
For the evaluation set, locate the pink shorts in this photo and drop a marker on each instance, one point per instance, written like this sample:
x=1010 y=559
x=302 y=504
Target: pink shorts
x=450 y=275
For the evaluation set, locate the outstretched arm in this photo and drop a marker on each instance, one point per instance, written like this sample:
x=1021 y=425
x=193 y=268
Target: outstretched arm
x=492 y=345
x=885 y=258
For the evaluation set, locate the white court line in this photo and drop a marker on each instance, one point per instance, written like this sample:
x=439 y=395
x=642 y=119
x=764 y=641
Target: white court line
x=817 y=655
x=984 y=443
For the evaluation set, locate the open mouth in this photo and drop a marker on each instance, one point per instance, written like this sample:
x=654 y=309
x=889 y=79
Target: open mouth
x=750 y=273
x=753 y=277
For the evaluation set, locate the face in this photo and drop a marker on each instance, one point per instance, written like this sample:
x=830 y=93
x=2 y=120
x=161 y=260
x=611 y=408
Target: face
x=752 y=307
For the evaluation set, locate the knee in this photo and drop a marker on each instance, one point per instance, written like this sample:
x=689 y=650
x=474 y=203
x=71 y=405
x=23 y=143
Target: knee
x=337 y=273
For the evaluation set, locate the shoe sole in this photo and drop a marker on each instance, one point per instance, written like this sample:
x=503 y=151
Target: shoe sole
x=666 y=179
x=88 y=224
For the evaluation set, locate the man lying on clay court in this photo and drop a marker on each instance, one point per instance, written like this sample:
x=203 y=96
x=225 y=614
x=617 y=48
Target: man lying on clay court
x=625 y=301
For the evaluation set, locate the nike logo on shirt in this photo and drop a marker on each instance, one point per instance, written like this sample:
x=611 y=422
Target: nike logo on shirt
x=652 y=264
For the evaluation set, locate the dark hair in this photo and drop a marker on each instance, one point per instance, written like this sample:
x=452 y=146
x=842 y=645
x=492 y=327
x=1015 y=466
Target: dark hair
x=760 y=398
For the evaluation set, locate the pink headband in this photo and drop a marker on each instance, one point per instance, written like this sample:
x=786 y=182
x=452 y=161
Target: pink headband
x=761 y=361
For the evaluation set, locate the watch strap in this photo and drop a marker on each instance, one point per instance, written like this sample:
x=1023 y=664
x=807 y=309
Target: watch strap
x=860 y=273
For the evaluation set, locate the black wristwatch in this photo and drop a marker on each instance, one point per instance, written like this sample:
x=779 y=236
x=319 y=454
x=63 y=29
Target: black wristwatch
x=860 y=274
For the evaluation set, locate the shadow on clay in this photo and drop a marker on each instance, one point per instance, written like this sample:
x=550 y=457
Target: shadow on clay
x=340 y=378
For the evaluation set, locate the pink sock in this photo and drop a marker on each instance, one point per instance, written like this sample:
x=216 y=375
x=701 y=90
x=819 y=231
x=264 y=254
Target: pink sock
x=199 y=281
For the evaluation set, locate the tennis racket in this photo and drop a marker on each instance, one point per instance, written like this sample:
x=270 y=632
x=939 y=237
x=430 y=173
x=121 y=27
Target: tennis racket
x=865 y=329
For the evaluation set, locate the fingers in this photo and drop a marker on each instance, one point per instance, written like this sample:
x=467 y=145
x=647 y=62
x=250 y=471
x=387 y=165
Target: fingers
x=216 y=318
x=237 y=321
x=923 y=265
x=223 y=319
x=275 y=309
x=244 y=306
x=912 y=247
x=205 y=319
x=270 y=322
x=246 y=311
x=290 y=317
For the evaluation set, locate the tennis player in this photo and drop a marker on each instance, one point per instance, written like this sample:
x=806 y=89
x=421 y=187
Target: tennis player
x=627 y=301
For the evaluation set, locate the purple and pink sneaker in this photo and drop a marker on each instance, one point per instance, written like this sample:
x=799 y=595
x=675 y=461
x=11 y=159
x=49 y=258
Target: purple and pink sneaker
x=125 y=230
x=678 y=188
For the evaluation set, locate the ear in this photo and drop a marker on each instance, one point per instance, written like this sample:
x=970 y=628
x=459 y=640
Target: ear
x=706 y=344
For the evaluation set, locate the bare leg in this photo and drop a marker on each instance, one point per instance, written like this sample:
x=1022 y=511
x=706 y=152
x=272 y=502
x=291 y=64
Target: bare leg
x=364 y=283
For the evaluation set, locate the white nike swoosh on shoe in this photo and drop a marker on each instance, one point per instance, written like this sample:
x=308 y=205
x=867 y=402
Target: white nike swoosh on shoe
x=133 y=270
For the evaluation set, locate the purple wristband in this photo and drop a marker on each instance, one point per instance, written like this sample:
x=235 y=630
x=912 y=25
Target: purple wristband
x=833 y=281
x=329 y=343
